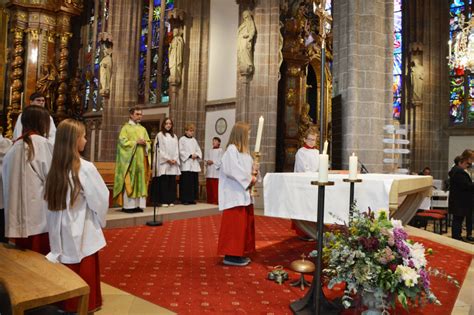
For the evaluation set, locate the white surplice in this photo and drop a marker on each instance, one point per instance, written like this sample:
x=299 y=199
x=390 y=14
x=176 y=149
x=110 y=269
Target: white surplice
x=168 y=150
x=23 y=188
x=5 y=145
x=306 y=160
x=187 y=147
x=214 y=155
x=76 y=232
x=19 y=129
x=234 y=179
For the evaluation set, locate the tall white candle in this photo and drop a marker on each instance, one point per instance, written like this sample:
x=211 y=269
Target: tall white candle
x=325 y=150
x=353 y=166
x=449 y=44
x=259 y=134
x=11 y=95
x=323 y=168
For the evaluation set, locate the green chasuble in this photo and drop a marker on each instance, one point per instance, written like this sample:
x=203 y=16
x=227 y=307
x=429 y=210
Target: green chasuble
x=132 y=165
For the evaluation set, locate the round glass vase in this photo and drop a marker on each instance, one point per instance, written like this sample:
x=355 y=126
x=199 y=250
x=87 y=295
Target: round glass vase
x=369 y=300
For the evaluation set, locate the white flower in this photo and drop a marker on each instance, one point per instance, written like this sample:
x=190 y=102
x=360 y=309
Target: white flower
x=408 y=275
x=379 y=212
x=417 y=252
x=396 y=224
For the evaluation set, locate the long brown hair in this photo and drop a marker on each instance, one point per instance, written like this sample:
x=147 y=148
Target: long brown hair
x=163 y=129
x=239 y=136
x=66 y=161
x=34 y=120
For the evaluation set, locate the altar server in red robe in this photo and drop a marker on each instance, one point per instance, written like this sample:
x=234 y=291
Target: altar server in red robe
x=78 y=200
x=213 y=162
x=25 y=168
x=237 y=176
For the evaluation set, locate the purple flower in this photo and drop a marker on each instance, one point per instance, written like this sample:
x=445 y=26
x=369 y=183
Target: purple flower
x=402 y=248
x=425 y=278
x=399 y=234
x=411 y=264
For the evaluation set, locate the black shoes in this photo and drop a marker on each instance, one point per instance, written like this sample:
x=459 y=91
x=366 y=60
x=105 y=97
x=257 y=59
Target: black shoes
x=135 y=210
x=236 y=260
x=470 y=239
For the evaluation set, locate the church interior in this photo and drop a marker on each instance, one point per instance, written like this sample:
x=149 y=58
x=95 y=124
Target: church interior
x=390 y=82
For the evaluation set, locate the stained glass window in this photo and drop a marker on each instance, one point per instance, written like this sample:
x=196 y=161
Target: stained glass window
x=97 y=17
x=155 y=37
x=397 y=60
x=461 y=99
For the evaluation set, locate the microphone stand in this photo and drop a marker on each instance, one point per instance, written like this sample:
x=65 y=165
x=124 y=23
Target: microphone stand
x=155 y=201
x=363 y=169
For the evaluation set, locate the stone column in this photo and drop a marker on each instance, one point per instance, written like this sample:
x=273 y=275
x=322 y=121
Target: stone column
x=363 y=54
x=257 y=95
x=124 y=25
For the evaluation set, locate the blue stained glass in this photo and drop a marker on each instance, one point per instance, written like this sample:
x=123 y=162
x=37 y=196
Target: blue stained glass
x=397 y=22
x=471 y=80
x=397 y=64
x=457 y=3
x=157 y=14
x=397 y=43
x=157 y=3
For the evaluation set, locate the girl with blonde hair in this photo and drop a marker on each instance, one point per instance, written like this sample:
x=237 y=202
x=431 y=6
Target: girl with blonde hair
x=237 y=176
x=78 y=200
x=25 y=168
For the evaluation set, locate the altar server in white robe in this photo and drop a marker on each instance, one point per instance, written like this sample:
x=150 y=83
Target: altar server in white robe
x=5 y=145
x=190 y=155
x=25 y=168
x=39 y=100
x=307 y=157
x=213 y=163
x=168 y=161
x=237 y=175
x=306 y=160
x=78 y=201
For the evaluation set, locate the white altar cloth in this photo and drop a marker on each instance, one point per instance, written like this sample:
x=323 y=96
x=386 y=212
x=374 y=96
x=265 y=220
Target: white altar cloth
x=291 y=195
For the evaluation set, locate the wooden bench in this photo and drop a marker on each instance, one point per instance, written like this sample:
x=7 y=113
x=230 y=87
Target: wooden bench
x=107 y=171
x=32 y=281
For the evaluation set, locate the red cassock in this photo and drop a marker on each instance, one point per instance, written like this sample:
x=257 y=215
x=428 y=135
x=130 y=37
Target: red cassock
x=89 y=271
x=38 y=243
x=237 y=234
x=212 y=189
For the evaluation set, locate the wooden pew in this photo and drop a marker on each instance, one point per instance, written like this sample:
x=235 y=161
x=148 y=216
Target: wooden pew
x=32 y=281
x=107 y=171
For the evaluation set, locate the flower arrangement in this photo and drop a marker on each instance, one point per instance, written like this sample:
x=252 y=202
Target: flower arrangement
x=373 y=254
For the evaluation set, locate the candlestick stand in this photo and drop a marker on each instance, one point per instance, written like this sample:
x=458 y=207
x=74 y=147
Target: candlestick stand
x=256 y=159
x=351 y=194
x=314 y=301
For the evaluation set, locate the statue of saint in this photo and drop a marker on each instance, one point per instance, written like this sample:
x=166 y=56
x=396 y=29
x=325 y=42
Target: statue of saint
x=175 y=54
x=105 y=71
x=417 y=81
x=47 y=82
x=245 y=38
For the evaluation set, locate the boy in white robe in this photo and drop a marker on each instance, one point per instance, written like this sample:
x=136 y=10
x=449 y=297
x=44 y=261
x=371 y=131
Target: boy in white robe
x=213 y=163
x=306 y=160
x=190 y=155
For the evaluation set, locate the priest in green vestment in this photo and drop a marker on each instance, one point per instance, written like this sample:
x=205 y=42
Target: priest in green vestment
x=132 y=165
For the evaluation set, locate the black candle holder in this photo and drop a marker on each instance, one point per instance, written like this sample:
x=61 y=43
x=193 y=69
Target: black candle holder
x=314 y=300
x=351 y=193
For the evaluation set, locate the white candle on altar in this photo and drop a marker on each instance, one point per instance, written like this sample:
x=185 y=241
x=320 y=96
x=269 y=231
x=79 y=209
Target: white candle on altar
x=353 y=166
x=449 y=44
x=259 y=134
x=323 y=168
x=325 y=150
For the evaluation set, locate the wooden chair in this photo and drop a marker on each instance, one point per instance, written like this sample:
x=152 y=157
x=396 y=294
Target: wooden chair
x=32 y=281
x=107 y=171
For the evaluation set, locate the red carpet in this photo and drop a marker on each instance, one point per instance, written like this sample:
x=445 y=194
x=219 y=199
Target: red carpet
x=176 y=267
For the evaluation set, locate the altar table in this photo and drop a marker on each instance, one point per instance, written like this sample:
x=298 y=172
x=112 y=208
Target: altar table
x=291 y=195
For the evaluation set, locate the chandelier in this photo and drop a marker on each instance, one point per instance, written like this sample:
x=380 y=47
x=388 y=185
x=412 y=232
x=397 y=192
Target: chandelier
x=461 y=48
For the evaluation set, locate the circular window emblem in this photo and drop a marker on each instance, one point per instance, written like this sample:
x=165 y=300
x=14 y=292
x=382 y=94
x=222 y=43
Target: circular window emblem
x=221 y=126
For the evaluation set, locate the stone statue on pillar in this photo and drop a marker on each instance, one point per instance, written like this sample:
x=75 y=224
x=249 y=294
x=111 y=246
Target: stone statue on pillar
x=245 y=39
x=175 y=54
x=105 y=70
x=416 y=76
